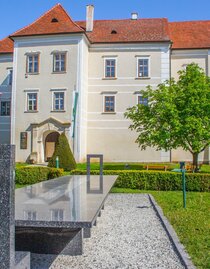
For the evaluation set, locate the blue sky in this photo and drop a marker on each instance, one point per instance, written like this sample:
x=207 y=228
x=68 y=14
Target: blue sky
x=16 y=14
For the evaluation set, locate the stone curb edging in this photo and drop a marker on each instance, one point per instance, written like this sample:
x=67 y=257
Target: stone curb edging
x=183 y=255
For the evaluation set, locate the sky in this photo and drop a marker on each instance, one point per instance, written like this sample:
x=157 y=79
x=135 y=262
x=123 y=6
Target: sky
x=16 y=14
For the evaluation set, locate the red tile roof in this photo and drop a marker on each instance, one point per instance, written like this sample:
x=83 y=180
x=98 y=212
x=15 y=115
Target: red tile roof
x=45 y=25
x=184 y=35
x=6 y=45
x=141 y=30
x=190 y=34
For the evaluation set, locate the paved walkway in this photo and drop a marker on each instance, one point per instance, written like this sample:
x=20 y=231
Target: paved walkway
x=128 y=235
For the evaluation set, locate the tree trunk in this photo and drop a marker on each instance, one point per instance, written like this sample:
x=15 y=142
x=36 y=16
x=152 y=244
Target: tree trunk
x=195 y=162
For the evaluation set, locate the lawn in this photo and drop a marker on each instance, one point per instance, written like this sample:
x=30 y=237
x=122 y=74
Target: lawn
x=126 y=166
x=135 y=166
x=191 y=224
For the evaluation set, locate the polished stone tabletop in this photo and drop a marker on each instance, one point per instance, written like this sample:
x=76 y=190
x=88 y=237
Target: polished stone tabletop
x=69 y=201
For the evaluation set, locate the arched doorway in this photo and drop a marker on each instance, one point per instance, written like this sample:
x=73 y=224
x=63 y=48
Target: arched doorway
x=50 y=142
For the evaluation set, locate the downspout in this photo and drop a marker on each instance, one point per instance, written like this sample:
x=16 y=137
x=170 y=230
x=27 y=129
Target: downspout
x=170 y=157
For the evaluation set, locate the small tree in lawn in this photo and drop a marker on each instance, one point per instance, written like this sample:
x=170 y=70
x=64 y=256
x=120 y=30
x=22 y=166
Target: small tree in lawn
x=63 y=151
x=177 y=114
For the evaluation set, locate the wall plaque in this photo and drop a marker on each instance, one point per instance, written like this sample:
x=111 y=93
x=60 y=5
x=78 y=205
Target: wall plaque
x=23 y=140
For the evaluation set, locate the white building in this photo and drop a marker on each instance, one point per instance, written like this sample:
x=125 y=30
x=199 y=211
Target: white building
x=105 y=63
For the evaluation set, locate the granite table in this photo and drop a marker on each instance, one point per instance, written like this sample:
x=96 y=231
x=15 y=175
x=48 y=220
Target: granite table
x=53 y=216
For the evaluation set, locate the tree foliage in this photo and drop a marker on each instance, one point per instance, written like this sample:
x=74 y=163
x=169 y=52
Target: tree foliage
x=177 y=114
x=64 y=153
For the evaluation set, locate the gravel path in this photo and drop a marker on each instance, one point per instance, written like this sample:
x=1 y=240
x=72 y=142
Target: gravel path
x=128 y=235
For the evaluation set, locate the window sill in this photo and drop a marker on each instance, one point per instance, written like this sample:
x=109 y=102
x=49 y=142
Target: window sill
x=59 y=111
x=109 y=113
x=5 y=116
x=109 y=78
x=143 y=78
x=59 y=72
x=35 y=73
x=32 y=111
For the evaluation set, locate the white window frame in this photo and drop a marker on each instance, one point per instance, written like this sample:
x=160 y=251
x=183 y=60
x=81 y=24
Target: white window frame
x=27 y=62
x=33 y=215
x=31 y=91
x=184 y=66
x=58 y=211
x=5 y=100
x=64 y=101
x=137 y=101
x=115 y=103
x=137 y=66
x=54 y=61
x=110 y=58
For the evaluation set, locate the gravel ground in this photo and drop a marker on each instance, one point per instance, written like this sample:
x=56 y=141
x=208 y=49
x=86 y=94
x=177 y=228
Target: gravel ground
x=128 y=235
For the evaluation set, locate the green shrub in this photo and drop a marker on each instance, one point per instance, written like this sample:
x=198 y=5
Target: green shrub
x=63 y=151
x=55 y=172
x=155 y=180
x=35 y=174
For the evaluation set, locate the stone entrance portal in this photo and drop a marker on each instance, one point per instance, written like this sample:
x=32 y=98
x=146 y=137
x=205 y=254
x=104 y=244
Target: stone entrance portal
x=50 y=143
x=44 y=137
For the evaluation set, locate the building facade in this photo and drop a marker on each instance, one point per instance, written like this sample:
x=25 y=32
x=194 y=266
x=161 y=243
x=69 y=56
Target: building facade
x=80 y=77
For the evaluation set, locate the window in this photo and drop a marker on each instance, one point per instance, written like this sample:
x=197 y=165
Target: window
x=57 y=214
x=30 y=215
x=59 y=62
x=109 y=103
x=110 y=68
x=143 y=67
x=32 y=101
x=32 y=63
x=58 y=101
x=142 y=100
x=10 y=72
x=5 y=108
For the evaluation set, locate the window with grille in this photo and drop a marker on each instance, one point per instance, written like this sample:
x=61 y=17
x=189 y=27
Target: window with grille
x=58 y=101
x=31 y=101
x=5 y=108
x=143 y=68
x=32 y=65
x=59 y=62
x=110 y=68
x=142 y=100
x=30 y=215
x=57 y=214
x=109 y=103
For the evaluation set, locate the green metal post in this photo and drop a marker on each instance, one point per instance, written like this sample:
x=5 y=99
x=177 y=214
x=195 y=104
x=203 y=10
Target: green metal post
x=57 y=162
x=74 y=112
x=184 y=188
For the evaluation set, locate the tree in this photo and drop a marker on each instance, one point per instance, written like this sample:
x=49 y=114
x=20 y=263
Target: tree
x=63 y=151
x=177 y=114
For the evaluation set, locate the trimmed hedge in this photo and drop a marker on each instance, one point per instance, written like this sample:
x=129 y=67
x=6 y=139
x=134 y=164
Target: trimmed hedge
x=35 y=174
x=63 y=151
x=155 y=180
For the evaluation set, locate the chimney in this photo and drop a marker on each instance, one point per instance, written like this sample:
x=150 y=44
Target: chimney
x=134 y=16
x=89 y=18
